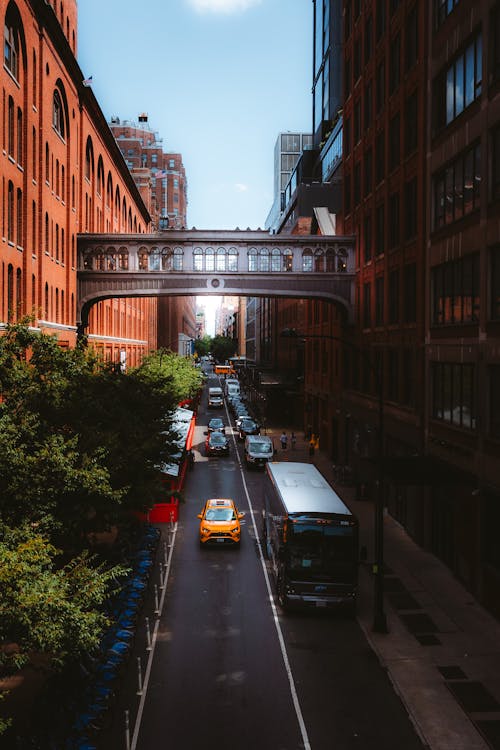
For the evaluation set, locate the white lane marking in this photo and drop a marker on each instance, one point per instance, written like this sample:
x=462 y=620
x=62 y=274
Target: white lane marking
x=154 y=639
x=284 y=654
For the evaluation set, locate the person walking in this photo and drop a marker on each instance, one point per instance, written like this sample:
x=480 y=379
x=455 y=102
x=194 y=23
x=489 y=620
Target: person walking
x=312 y=443
x=293 y=440
x=283 y=440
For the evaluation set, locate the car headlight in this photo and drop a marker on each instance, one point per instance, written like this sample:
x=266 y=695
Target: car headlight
x=235 y=529
x=205 y=530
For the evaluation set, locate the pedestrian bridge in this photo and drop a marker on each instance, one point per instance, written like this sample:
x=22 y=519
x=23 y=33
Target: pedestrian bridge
x=201 y=262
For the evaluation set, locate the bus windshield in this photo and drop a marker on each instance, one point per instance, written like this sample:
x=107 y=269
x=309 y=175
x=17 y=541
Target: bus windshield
x=320 y=549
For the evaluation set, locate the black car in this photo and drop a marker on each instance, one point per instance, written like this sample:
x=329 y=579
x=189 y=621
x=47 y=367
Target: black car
x=248 y=427
x=217 y=444
x=216 y=425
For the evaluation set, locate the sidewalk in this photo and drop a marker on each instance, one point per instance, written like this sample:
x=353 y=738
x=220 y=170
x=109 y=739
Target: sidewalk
x=442 y=651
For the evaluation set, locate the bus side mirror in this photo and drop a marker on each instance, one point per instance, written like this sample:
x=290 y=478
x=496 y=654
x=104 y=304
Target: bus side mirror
x=200 y=515
x=241 y=514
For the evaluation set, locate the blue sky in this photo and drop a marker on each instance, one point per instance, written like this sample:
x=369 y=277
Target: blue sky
x=219 y=80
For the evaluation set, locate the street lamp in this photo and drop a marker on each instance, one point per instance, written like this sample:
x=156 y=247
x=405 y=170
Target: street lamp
x=379 y=618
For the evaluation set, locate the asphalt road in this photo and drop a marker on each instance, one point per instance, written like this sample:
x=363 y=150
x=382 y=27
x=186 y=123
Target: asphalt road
x=230 y=671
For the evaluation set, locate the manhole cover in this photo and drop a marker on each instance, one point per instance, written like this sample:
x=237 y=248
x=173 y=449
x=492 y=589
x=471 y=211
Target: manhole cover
x=452 y=673
x=402 y=600
x=473 y=696
x=491 y=732
x=419 y=623
x=428 y=639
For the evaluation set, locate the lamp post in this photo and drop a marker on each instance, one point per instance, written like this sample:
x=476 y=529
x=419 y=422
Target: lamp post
x=379 y=619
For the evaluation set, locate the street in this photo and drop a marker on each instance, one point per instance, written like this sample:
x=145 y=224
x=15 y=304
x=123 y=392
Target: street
x=230 y=671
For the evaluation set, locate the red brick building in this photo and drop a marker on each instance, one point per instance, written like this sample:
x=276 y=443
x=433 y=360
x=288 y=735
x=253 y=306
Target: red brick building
x=62 y=174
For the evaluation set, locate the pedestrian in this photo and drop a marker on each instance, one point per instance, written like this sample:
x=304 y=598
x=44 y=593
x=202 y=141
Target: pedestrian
x=283 y=440
x=293 y=439
x=311 y=446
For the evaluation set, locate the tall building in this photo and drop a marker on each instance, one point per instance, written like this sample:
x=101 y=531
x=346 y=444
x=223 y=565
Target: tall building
x=287 y=151
x=62 y=174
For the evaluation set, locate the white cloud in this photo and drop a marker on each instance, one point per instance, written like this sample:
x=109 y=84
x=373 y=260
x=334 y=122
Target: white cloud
x=240 y=187
x=223 y=6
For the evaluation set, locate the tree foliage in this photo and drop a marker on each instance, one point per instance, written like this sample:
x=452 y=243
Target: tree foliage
x=223 y=348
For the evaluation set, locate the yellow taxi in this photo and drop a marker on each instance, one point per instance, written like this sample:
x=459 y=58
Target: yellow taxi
x=220 y=522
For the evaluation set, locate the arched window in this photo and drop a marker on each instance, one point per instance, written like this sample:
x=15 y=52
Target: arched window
x=318 y=261
x=166 y=259
x=19 y=295
x=109 y=191
x=209 y=259
x=46 y=301
x=154 y=259
x=232 y=259
x=19 y=218
x=47 y=164
x=178 y=258
x=252 y=259
x=142 y=256
x=197 y=259
x=287 y=260
x=307 y=261
x=58 y=114
x=123 y=259
x=264 y=259
x=11 y=48
x=275 y=260
x=20 y=136
x=10 y=293
x=220 y=259
x=10 y=128
x=10 y=212
x=89 y=160
x=342 y=260
x=330 y=261
x=100 y=177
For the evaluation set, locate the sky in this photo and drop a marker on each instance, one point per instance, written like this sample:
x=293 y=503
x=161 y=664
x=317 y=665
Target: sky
x=219 y=79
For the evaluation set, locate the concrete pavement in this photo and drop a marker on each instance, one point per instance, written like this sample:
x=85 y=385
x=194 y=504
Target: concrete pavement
x=442 y=651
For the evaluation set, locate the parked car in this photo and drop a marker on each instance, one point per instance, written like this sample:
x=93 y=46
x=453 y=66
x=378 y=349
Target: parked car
x=220 y=522
x=248 y=427
x=239 y=419
x=216 y=425
x=217 y=444
x=259 y=450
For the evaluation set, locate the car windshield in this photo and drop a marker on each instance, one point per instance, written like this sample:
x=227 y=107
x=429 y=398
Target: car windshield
x=216 y=423
x=220 y=514
x=320 y=548
x=247 y=424
x=260 y=448
x=217 y=437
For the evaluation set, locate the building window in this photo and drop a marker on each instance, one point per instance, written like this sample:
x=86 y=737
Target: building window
x=394 y=222
x=394 y=296
x=178 y=259
x=394 y=142
x=410 y=293
x=442 y=9
x=357 y=183
x=11 y=49
x=368 y=38
x=455 y=291
x=380 y=157
x=495 y=163
x=367 y=317
x=381 y=19
x=411 y=124
x=379 y=301
x=368 y=171
x=380 y=88
x=495 y=283
x=395 y=64
x=10 y=212
x=19 y=136
x=368 y=238
x=456 y=189
x=459 y=86
x=10 y=128
x=411 y=207
x=380 y=229
x=357 y=122
x=347 y=78
x=58 y=114
x=347 y=193
x=411 y=38
x=453 y=394
x=19 y=218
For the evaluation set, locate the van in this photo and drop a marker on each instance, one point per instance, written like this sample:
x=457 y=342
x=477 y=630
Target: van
x=215 y=400
x=259 y=449
x=232 y=389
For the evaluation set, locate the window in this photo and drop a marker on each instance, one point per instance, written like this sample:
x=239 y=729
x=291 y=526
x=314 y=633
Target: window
x=368 y=171
x=394 y=142
x=411 y=124
x=10 y=128
x=394 y=228
x=379 y=301
x=411 y=207
x=10 y=212
x=19 y=136
x=368 y=38
x=367 y=318
x=442 y=9
x=19 y=217
x=380 y=229
x=58 y=114
x=410 y=293
x=395 y=64
x=456 y=189
x=307 y=261
x=368 y=238
x=495 y=163
x=380 y=88
x=347 y=193
x=380 y=157
x=453 y=394
x=455 y=291
x=357 y=122
x=381 y=19
x=11 y=49
x=357 y=183
x=411 y=38
x=459 y=86
x=394 y=296
x=495 y=283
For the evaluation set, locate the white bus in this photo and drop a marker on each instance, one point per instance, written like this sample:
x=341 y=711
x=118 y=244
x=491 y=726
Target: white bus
x=310 y=537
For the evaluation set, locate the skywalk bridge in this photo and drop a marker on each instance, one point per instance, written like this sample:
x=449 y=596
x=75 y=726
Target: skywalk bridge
x=251 y=263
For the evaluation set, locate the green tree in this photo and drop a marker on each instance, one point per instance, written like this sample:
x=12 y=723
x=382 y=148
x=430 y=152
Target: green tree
x=223 y=348
x=203 y=346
